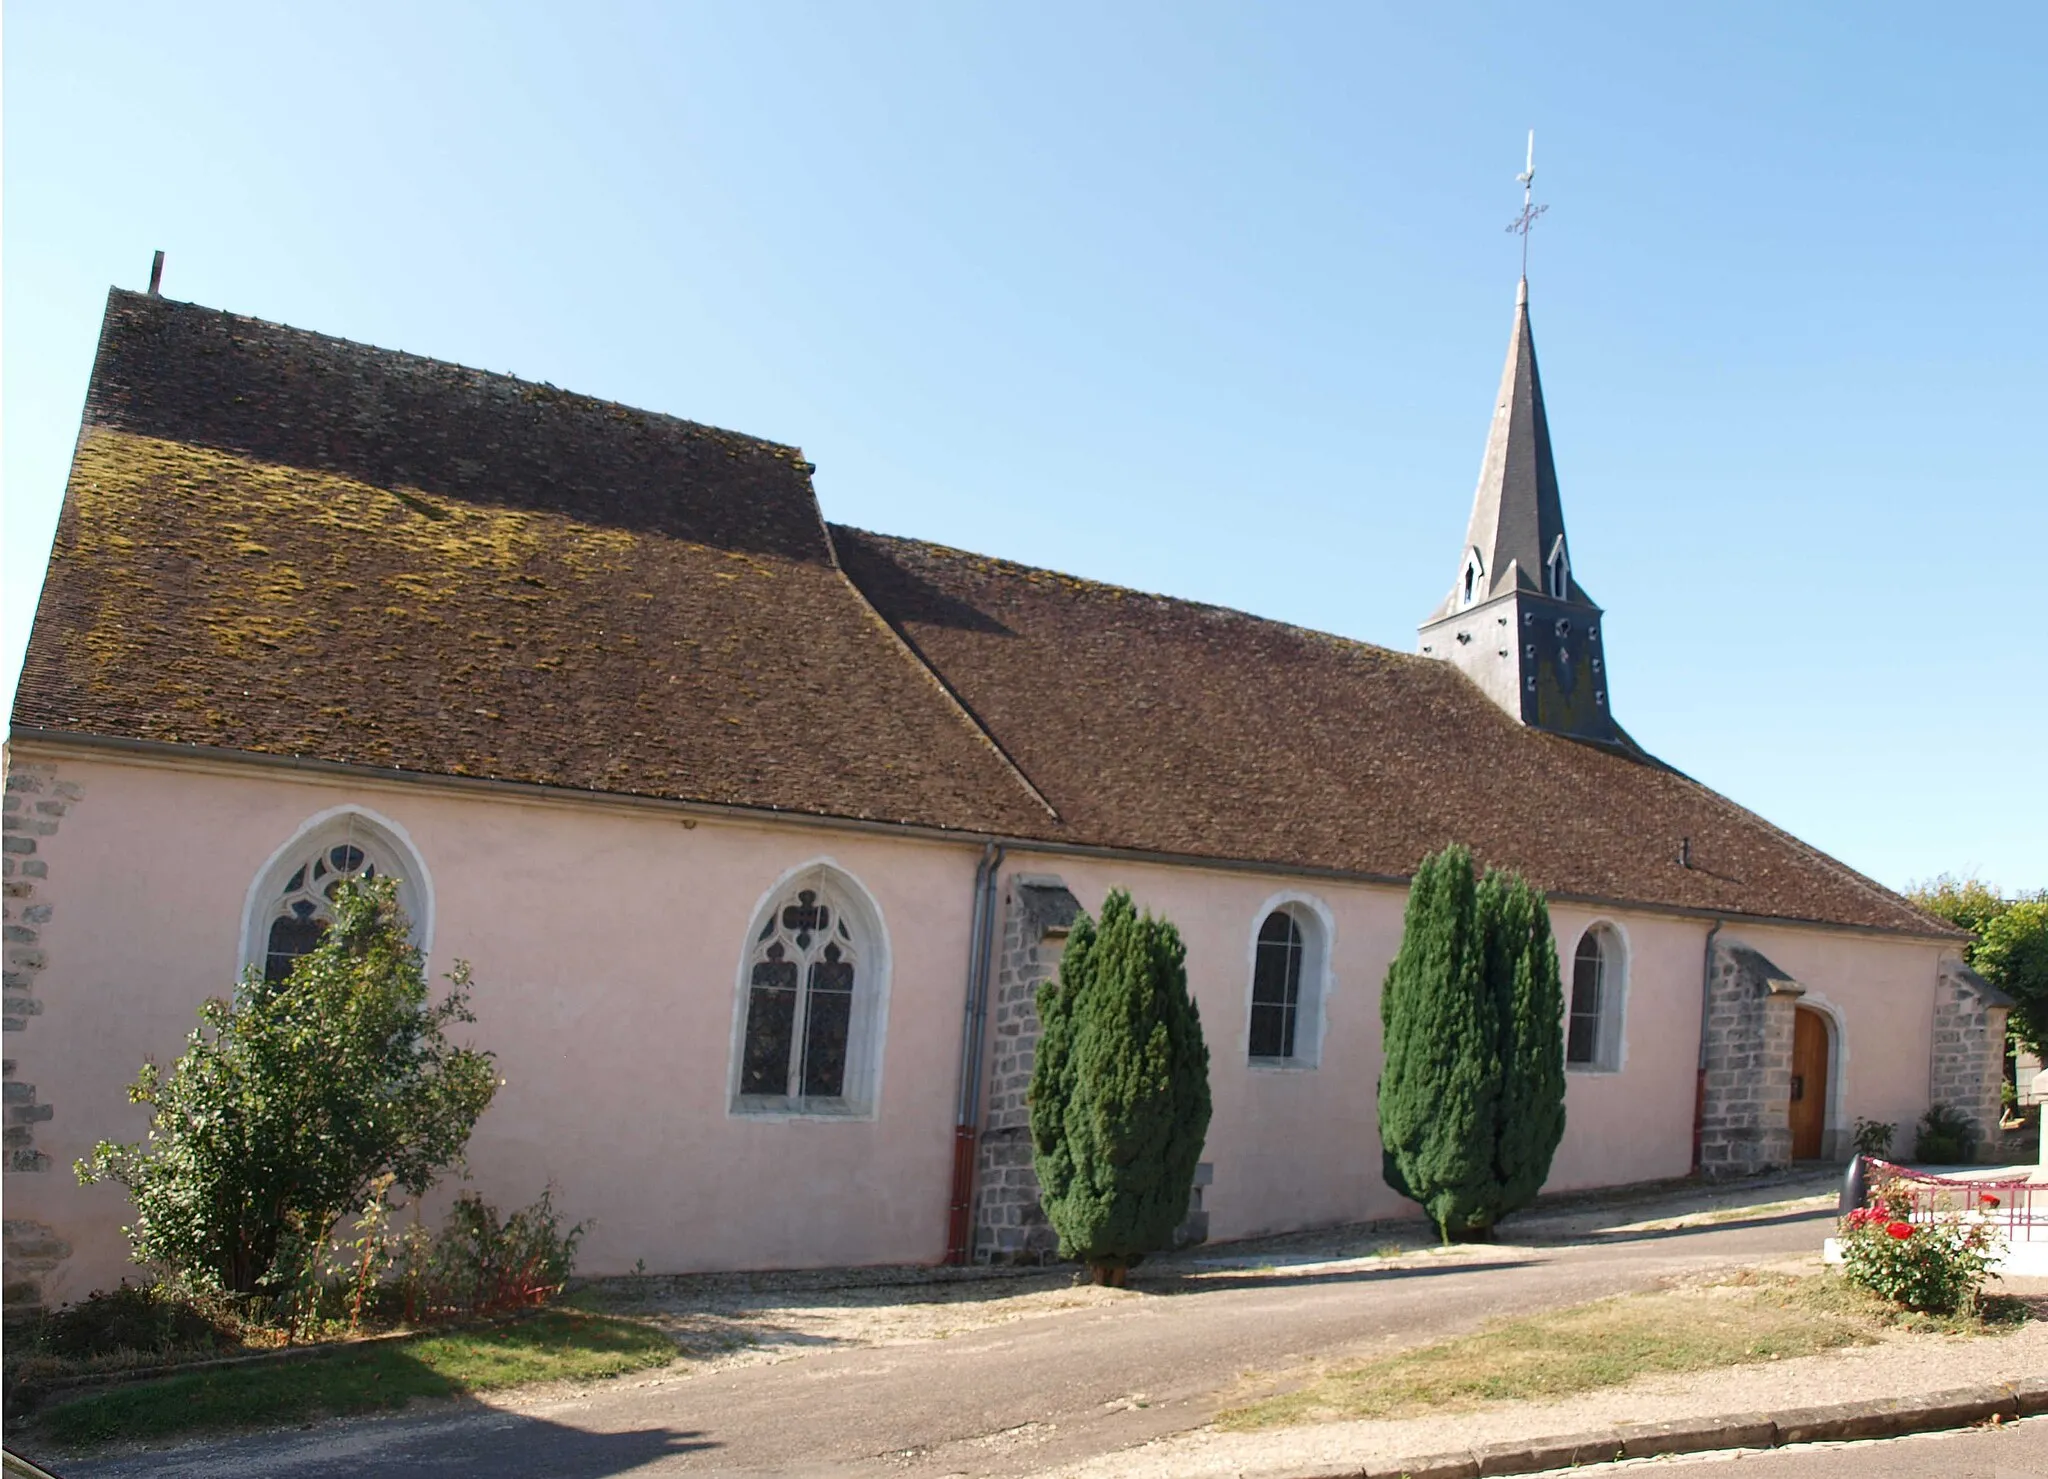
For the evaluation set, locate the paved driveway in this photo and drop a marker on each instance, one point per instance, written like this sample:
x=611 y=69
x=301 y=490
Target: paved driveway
x=999 y=1401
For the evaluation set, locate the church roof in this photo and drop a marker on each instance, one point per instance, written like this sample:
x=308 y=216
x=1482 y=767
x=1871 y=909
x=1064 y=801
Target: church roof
x=279 y=542
x=283 y=544
x=1166 y=725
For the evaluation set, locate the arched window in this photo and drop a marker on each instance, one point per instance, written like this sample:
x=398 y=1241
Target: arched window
x=293 y=900
x=1475 y=571
x=1593 y=1029
x=1276 y=986
x=1289 y=956
x=814 y=984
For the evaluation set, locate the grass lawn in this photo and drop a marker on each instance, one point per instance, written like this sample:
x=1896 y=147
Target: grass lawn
x=557 y=1345
x=1752 y=1317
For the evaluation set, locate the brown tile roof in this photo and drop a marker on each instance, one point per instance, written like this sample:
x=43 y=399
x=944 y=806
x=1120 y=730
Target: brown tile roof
x=281 y=543
x=1169 y=726
x=278 y=542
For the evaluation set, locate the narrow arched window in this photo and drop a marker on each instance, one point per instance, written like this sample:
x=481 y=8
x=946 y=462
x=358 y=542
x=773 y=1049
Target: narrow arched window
x=1276 y=986
x=812 y=1001
x=1593 y=1031
x=293 y=902
x=1475 y=570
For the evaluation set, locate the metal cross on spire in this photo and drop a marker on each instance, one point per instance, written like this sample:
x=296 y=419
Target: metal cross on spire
x=1530 y=213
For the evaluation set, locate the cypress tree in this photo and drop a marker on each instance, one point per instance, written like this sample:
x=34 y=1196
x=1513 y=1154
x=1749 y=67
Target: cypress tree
x=1471 y=1100
x=1119 y=1090
x=1532 y=1061
x=1440 y=1086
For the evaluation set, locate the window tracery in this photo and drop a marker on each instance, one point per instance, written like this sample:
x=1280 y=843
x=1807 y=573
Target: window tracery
x=292 y=902
x=811 y=1011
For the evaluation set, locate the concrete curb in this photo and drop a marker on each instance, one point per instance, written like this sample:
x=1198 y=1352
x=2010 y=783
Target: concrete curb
x=1885 y=1418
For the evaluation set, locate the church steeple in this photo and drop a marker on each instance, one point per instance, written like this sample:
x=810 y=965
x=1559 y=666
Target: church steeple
x=1517 y=621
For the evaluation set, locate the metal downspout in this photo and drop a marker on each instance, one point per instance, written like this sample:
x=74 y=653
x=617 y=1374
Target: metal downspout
x=967 y=1106
x=1699 y=1093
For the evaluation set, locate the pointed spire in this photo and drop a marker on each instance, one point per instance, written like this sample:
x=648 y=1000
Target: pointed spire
x=1517 y=525
x=1517 y=622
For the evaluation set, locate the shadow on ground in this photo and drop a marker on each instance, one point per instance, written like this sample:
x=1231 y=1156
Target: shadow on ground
x=446 y=1443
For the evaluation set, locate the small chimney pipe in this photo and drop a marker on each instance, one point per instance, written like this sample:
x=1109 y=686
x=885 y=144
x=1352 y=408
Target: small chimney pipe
x=156 y=276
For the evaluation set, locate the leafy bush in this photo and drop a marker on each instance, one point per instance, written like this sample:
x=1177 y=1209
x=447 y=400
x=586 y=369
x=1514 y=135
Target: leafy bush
x=1936 y=1264
x=1471 y=1099
x=152 y=1320
x=291 y=1100
x=1119 y=1091
x=1945 y=1137
x=480 y=1265
x=1874 y=1137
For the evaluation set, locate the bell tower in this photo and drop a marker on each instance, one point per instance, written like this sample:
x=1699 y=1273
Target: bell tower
x=1517 y=621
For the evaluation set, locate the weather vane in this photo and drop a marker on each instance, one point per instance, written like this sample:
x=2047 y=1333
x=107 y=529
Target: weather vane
x=1530 y=213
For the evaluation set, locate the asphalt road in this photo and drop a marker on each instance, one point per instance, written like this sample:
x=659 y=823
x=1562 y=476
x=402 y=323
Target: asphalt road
x=999 y=1401
x=2014 y=1451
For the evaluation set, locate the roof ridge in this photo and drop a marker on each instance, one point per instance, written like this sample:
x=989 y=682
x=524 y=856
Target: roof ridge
x=1020 y=568
x=504 y=377
x=930 y=670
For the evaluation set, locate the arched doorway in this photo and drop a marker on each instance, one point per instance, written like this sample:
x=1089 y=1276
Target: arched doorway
x=1809 y=1108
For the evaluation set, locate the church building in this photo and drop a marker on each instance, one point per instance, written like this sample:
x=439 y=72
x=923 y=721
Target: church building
x=759 y=831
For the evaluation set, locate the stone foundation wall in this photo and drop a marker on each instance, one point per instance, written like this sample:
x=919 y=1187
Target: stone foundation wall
x=1009 y=1224
x=35 y=804
x=1969 y=1051
x=1745 y=1125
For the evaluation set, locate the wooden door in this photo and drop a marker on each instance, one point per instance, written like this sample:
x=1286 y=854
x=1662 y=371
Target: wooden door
x=1809 y=1083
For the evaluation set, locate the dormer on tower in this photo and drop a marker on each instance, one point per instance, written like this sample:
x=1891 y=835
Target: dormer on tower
x=1517 y=621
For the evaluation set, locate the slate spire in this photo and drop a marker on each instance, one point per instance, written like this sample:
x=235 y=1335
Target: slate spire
x=1517 y=525
x=1517 y=620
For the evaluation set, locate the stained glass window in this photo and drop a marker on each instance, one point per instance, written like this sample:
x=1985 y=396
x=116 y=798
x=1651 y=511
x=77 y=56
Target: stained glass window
x=1276 y=986
x=801 y=1000
x=300 y=913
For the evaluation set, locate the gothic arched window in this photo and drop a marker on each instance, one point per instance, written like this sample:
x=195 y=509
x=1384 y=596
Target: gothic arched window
x=1288 y=966
x=814 y=983
x=1475 y=571
x=1593 y=1028
x=293 y=901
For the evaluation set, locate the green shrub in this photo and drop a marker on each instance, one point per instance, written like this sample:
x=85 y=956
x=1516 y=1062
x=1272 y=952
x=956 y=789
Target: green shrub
x=291 y=1100
x=1874 y=1137
x=479 y=1265
x=1945 y=1137
x=1119 y=1091
x=1937 y=1264
x=1471 y=1097
x=147 y=1320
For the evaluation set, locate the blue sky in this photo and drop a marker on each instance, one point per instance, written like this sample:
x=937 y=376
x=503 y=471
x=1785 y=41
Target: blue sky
x=1205 y=299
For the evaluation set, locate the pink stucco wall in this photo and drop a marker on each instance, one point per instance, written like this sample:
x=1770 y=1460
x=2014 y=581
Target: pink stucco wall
x=606 y=944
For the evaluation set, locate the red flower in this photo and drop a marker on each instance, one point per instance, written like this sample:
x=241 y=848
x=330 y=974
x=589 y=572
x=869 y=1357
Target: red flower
x=1900 y=1230
x=1989 y=1200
